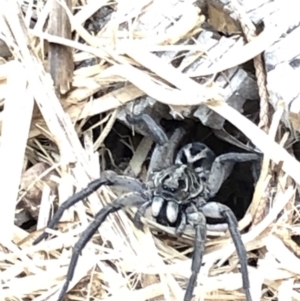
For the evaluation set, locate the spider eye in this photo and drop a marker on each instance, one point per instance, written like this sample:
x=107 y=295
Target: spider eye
x=181 y=183
x=165 y=187
x=203 y=179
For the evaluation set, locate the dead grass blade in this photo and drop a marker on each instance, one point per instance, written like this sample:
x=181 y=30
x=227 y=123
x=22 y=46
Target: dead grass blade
x=122 y=262
x=16 y=120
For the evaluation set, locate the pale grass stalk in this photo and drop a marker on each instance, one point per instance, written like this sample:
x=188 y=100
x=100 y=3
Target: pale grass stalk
x=17 y=116
x=19 y=234
x=142 y=294
x=133 y=251
x=287 y=259
x=285 y=290
x=106 y=130
x=89 y=9
x=85 y=263
x=45 y=207
x=43 y=174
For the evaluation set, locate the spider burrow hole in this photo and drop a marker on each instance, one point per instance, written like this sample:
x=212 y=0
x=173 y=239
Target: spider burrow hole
x=121 y=152
x=236 y=192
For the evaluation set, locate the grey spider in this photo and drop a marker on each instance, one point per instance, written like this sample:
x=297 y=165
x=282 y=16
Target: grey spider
x=178 y=193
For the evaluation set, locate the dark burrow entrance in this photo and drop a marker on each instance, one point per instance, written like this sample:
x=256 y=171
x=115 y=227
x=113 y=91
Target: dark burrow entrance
x=236 y=192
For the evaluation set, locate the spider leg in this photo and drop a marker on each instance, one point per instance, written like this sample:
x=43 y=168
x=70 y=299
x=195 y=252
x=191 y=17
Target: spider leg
x=220 y=211
x=141 y=212
x=156 y=131
x=163 y=155
x=127 y=200
x=222 y=167
x=107 y=178
x=182 y=225
x=198 y=221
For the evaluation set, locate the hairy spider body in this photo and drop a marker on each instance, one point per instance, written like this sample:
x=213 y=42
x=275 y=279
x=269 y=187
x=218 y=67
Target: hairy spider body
x=178 y=194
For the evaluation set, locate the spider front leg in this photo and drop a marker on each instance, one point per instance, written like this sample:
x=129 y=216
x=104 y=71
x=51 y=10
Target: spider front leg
x=107 y=178
x=164 y=151
x=163 y=155
x=224 y=214
x=155 y=130
x=222 y=168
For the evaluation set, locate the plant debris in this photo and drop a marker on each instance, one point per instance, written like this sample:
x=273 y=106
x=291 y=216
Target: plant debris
x=70 y=73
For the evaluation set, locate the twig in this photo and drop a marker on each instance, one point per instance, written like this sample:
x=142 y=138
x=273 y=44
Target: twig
x=249 y=31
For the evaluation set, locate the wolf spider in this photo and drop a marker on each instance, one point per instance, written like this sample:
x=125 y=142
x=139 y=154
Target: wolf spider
x=178 y=193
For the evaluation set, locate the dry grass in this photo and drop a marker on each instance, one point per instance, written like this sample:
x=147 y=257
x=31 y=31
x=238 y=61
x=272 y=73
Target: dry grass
x=144 y=266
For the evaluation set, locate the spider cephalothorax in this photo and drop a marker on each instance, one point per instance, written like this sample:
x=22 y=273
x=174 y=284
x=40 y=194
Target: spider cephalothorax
x=179 y=191
x=199 y=157
x=178 y=183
